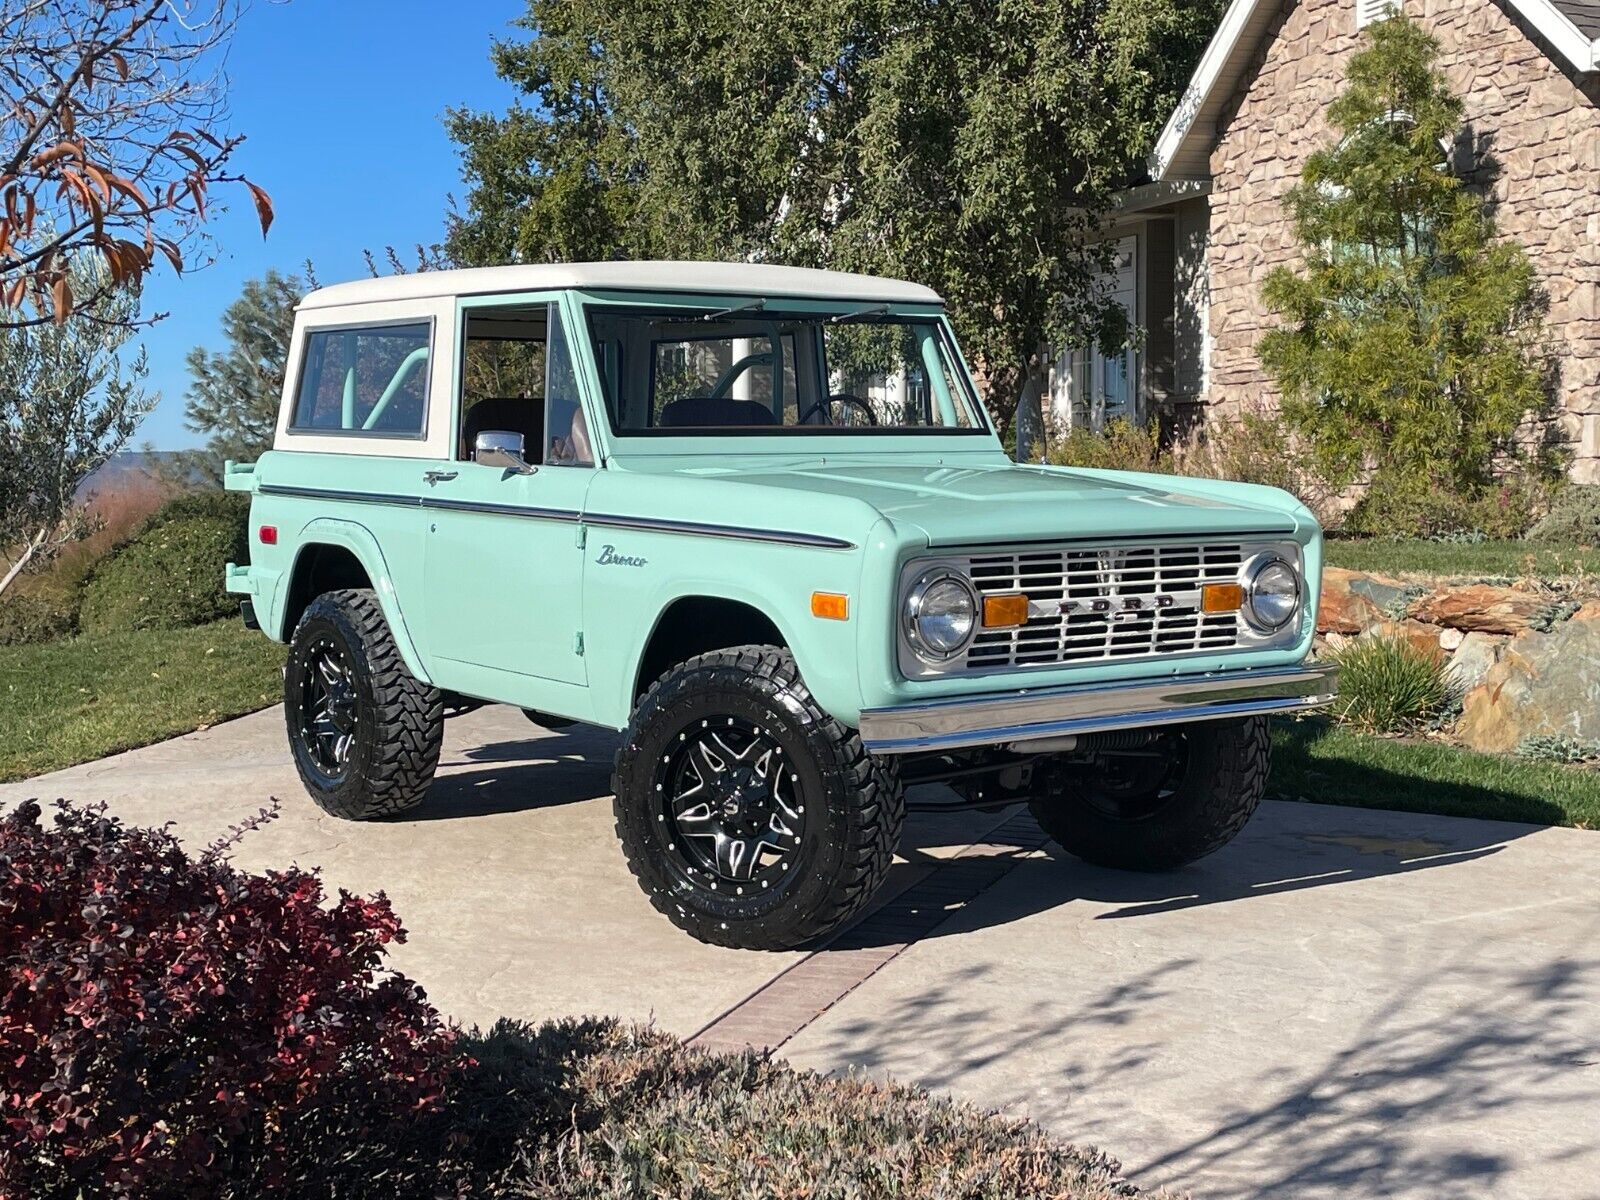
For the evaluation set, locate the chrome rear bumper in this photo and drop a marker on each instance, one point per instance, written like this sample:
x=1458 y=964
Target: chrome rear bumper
x=1024 y=715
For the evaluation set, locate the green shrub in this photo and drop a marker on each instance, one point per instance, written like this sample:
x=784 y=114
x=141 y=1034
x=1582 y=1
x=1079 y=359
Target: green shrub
x=1417 y=506
x=1388 y=685
x=1123 y=446
x=169 y=574
x=37 y=615
x=1573 y=519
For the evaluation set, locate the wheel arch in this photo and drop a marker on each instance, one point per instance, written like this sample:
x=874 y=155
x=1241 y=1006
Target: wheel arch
x=695 y=624
x=334 y=554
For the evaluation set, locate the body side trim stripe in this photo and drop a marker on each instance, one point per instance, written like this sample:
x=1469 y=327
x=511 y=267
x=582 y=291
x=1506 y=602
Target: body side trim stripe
x=603 y=520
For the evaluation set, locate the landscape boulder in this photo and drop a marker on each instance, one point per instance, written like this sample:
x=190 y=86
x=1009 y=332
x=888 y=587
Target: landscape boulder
x=1544 y=683
x=1354 y=600
x=1480 y=607
x=1471 y=660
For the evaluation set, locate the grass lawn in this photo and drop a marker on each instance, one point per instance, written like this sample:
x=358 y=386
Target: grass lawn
x=1322 y=763
x=68 y=702
x=1472 y=559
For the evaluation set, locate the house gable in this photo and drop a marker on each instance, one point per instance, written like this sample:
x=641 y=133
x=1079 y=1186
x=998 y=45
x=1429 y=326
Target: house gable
x=1530 y=141
x=1569 y=29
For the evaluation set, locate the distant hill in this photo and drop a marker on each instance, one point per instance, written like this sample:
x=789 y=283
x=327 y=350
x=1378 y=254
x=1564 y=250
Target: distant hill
x=132 y=466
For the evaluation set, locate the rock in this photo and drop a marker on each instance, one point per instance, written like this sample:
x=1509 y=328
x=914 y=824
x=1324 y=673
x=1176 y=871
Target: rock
x=1353 y=600
x=1481 y=607
x=1424 y=638
x=1473 y=657
x=1544 y=683
x=1589 y=611
x=1450 y=639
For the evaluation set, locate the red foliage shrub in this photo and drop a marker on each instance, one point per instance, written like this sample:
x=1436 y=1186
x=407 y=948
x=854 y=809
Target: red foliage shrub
x=168 y=1022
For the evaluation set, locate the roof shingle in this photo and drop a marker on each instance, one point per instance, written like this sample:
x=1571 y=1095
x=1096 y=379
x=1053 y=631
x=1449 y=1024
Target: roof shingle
x=1585 y=14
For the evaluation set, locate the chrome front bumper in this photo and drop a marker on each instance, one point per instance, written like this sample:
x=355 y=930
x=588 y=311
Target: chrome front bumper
x=1025 y=715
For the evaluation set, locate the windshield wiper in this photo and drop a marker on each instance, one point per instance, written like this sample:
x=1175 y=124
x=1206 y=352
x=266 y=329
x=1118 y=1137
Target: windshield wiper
x=877 y=310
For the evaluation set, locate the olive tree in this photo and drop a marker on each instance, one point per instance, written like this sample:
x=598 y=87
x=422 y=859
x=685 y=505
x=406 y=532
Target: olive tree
x=69 y=399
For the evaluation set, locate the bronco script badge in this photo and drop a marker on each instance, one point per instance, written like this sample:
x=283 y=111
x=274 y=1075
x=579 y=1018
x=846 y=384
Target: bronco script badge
x=610 y=558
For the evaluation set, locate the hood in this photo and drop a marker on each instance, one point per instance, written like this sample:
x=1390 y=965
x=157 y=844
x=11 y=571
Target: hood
x=966 y=505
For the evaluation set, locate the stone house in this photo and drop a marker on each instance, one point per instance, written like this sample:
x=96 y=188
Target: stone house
x=1195 y=242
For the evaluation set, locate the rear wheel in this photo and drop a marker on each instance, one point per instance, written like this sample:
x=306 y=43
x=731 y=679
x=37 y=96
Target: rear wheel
x=1182 y=796
x=749 y=816
x=365 y=732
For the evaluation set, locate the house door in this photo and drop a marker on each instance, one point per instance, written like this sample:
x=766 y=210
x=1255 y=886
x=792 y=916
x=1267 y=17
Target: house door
x=1088 y=389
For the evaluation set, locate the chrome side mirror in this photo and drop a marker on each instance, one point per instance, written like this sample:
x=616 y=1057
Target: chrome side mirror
x=499 y=448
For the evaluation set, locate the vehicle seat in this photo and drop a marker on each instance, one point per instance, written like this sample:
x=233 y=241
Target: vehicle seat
x=715 y=411
x=512 y=414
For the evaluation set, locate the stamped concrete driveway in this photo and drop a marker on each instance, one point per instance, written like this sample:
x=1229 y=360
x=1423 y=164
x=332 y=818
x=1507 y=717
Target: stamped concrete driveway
x=1342 y=1003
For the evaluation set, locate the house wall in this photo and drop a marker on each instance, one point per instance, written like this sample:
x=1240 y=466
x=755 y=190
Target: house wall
x=1534 y=137
x=1191 y=343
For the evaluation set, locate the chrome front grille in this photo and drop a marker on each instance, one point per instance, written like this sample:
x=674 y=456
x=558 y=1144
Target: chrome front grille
x=1088 y=604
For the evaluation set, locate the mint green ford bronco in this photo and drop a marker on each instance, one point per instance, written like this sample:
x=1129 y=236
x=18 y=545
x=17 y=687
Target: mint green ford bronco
x=756 y=519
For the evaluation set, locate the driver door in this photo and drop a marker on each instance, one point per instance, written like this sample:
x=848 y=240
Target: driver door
x=504 y=568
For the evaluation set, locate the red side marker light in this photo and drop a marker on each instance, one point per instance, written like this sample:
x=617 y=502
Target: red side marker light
x=268 y=535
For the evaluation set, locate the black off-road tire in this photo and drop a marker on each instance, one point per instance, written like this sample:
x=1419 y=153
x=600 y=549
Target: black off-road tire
x=398 y=720
x=1218 y=788
x=854 y=804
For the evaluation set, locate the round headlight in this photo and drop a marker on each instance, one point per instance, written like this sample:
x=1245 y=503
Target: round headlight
x=941 y=615
x=1272 y=594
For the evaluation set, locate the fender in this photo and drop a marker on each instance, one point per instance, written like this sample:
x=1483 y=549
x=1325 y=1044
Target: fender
x=358 y=539
x=806 y=653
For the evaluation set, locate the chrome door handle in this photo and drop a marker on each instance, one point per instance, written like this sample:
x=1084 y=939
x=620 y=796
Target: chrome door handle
x=432 y=477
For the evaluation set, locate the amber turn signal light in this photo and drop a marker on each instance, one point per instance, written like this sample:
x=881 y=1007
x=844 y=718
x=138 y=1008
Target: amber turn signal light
x=830 y=606
x=1002 y=612
x=1221 y=597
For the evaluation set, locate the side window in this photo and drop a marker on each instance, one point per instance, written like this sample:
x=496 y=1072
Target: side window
x=567 y=433
x=370 y=380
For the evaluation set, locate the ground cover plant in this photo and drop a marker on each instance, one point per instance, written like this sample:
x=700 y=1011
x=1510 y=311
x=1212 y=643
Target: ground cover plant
x=71 y=701
x=178 y=1027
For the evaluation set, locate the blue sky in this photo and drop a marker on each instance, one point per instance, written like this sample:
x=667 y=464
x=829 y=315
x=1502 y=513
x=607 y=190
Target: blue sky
x=341 y=102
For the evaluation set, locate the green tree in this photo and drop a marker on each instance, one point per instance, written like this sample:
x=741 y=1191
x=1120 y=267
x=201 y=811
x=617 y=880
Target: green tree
x=973 y=147
x=68 y=402
x=1411 y=342
x=233 y=393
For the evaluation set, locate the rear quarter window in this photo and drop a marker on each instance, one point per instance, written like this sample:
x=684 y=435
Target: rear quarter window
x=370 y=380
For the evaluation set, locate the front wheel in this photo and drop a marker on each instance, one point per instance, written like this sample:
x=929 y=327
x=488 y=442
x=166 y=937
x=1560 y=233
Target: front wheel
x=750 y=816
x=1186 y=794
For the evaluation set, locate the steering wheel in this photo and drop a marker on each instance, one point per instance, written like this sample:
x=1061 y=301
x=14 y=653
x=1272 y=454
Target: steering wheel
x=838 y=398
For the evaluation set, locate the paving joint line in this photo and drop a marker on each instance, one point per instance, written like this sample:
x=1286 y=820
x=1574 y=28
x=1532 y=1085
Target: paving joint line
x=774 y=1013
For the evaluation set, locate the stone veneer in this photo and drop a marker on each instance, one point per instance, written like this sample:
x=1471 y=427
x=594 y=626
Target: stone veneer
x=1532 y=139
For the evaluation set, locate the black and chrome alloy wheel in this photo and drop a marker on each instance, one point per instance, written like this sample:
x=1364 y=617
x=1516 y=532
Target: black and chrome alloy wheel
x=734 y=804
x=749 y=815
x=365 y=732
x=327 y=706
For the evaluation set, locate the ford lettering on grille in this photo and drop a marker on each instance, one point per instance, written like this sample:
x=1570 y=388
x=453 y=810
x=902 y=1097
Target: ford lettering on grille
x=1106 y=603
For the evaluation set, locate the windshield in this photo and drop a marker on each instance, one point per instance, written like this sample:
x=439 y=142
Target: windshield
x=751 y=370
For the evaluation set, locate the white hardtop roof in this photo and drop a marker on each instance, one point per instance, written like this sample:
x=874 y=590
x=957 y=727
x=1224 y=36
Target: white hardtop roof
x=716 y=278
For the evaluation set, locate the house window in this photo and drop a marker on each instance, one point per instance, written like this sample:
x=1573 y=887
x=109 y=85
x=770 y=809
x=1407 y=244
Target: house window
x=1370 y=11
x=1089 y=388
